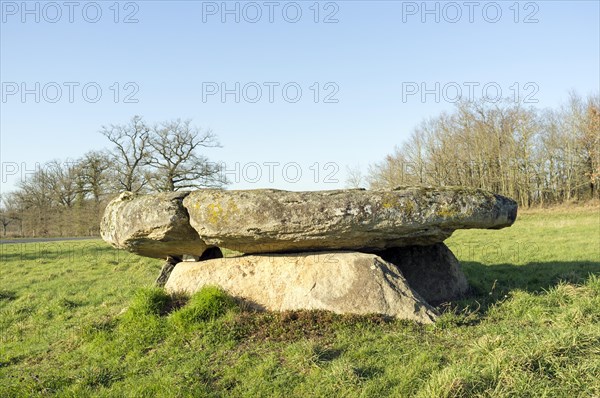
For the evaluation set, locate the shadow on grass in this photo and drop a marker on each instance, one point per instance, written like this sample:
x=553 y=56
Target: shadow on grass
x=490 y=284
x=7 y=295
x=531 y=277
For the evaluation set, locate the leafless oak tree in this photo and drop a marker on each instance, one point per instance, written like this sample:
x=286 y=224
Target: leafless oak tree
x=130 y=152
x=175 y=157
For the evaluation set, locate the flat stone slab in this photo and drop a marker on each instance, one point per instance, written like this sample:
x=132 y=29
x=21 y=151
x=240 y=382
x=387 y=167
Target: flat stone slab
x=341 y=282
x=151 y=225
x=269 y=221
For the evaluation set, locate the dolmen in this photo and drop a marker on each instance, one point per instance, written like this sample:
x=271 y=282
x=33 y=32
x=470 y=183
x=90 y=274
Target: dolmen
x=347 y=251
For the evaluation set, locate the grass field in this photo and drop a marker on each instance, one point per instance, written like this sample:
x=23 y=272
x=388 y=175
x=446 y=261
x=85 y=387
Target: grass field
x=81 y=319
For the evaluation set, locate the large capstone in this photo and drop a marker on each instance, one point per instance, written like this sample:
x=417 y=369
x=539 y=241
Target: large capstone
x=151 y=225
x=274 y=221
x=341 y=282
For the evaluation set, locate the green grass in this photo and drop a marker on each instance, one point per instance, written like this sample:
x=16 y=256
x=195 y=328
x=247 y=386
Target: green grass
x=79 y=319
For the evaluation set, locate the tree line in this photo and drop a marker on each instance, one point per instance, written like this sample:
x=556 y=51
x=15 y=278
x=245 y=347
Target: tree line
x=67 y=198
x=537 y=157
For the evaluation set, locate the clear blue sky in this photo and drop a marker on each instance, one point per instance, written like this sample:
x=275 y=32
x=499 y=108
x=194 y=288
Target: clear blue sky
x=371 y=56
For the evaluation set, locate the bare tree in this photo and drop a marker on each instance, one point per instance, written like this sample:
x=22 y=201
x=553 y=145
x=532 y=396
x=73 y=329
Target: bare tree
x=36 y=201
x=15 y=208
x=175 y=159
x=5 y=217
x=589 y=144
x=130 y=153
x=62 y=182
x=354 y=177
x=94 y=169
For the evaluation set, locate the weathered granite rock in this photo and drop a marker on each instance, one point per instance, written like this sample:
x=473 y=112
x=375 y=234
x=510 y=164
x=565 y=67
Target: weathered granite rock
x=341 y=282
x=268 y=221
x=432 y=271
x=151 y=225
